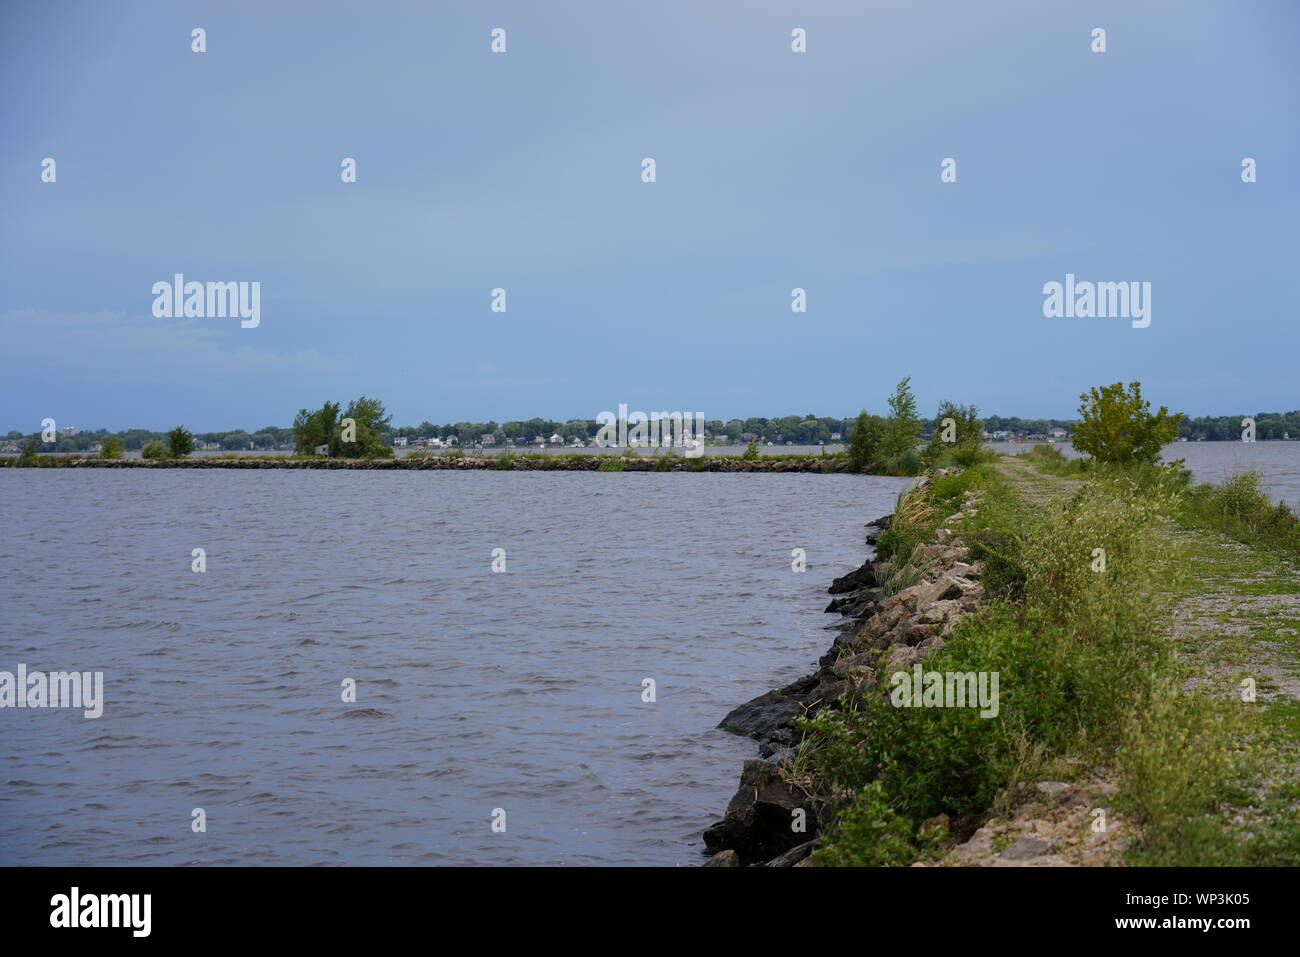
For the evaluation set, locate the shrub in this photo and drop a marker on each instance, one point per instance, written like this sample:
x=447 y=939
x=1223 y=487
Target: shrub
x=112 y=448
x=154 y=450
x=865 y=441
x=868 y=833
x=751 y=451
x=1117 y=426
x=180 y=442
x=612 y=463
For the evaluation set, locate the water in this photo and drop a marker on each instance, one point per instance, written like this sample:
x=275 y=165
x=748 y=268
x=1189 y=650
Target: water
x=476 y=690
x=1279 y=462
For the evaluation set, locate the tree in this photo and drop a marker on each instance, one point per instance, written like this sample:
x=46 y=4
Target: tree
x=965 y=431
x=180 y=442
x=865 y=441
x=154 y=450
x=112 y=448
x=1117 y=425
x=902 y=427
x=353 y=440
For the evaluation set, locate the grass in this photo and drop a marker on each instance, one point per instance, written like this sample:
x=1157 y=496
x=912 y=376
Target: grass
x=1088 y=675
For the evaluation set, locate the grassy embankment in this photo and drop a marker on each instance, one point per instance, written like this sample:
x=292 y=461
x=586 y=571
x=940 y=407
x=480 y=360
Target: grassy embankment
x=1133 y=672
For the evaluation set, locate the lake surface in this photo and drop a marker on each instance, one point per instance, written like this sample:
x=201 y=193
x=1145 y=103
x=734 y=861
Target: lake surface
x=476 y=690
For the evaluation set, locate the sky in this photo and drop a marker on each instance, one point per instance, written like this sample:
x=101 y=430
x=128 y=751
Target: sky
x=522 y=170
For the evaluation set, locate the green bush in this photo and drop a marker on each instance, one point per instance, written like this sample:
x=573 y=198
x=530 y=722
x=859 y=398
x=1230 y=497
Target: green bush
x=180 y=442
x=868 y=833
x=154 y=450
x=1117 y=425
x=112 y=448
x=612 y=463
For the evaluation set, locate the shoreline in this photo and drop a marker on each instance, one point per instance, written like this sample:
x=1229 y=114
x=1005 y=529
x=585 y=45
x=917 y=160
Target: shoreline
x=878 y=634
x=812 y=464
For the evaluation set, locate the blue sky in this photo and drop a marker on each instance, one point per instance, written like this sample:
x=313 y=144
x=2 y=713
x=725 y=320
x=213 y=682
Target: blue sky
x=775 y=170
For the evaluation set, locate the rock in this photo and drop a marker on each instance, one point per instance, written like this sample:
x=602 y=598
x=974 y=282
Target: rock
x=916 y=633
x=963 y=570
x=883 y=522
x=900 y=658
x=942 y=535
x=1026 y=847
x=908 y=596
x=806 y=862
x=933 y=643
x=1050 y=788
x=864 y=577
x=793 y=856
x=762 y=716
x=927 y=554
x=757 y=822
x=946 y=587
x=979 y=845
x=727 y=858
x=854 y=663
x=939 y=612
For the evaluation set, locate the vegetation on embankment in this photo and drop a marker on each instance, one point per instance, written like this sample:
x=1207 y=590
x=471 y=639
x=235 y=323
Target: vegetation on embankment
x=1085 y=583
x=1105 y=629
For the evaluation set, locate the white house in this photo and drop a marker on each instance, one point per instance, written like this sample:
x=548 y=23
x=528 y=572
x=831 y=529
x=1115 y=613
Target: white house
x=556 y=439
x=400 y=441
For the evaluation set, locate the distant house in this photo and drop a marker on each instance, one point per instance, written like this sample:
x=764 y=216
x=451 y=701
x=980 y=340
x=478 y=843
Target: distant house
x=576 y=443
x=400 y=441
x=539 y=440
x=748 y=437
x=1057 y=433
x=452 y=440
x=556 y=439
x=434 y=442
x=835 y=436
x=487 y=438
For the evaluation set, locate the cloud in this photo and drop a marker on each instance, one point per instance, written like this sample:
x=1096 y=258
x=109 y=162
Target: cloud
x=115 y=347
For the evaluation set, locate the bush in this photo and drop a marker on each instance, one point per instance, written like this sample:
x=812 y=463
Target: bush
x=751 y=451
x=504 y=462
x=612 y=463
x=154 y=450
x=865 y=440
x=868 y=833
x=180 y=442
x=1117 y=426
x=112 y=448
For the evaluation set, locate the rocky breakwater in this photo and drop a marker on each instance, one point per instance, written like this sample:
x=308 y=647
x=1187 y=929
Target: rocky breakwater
x=882 y=631
x=518 y=463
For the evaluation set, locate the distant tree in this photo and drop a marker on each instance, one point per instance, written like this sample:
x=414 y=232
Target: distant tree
x=902 y=427
x=180 y=442
x=154 y=449
x=112 y=448
x=751 y=451
x=357 y=439
x=866 y=441
x=1117 y=425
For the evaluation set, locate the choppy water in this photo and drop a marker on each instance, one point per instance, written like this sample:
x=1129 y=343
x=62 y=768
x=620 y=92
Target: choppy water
x=477 y=690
